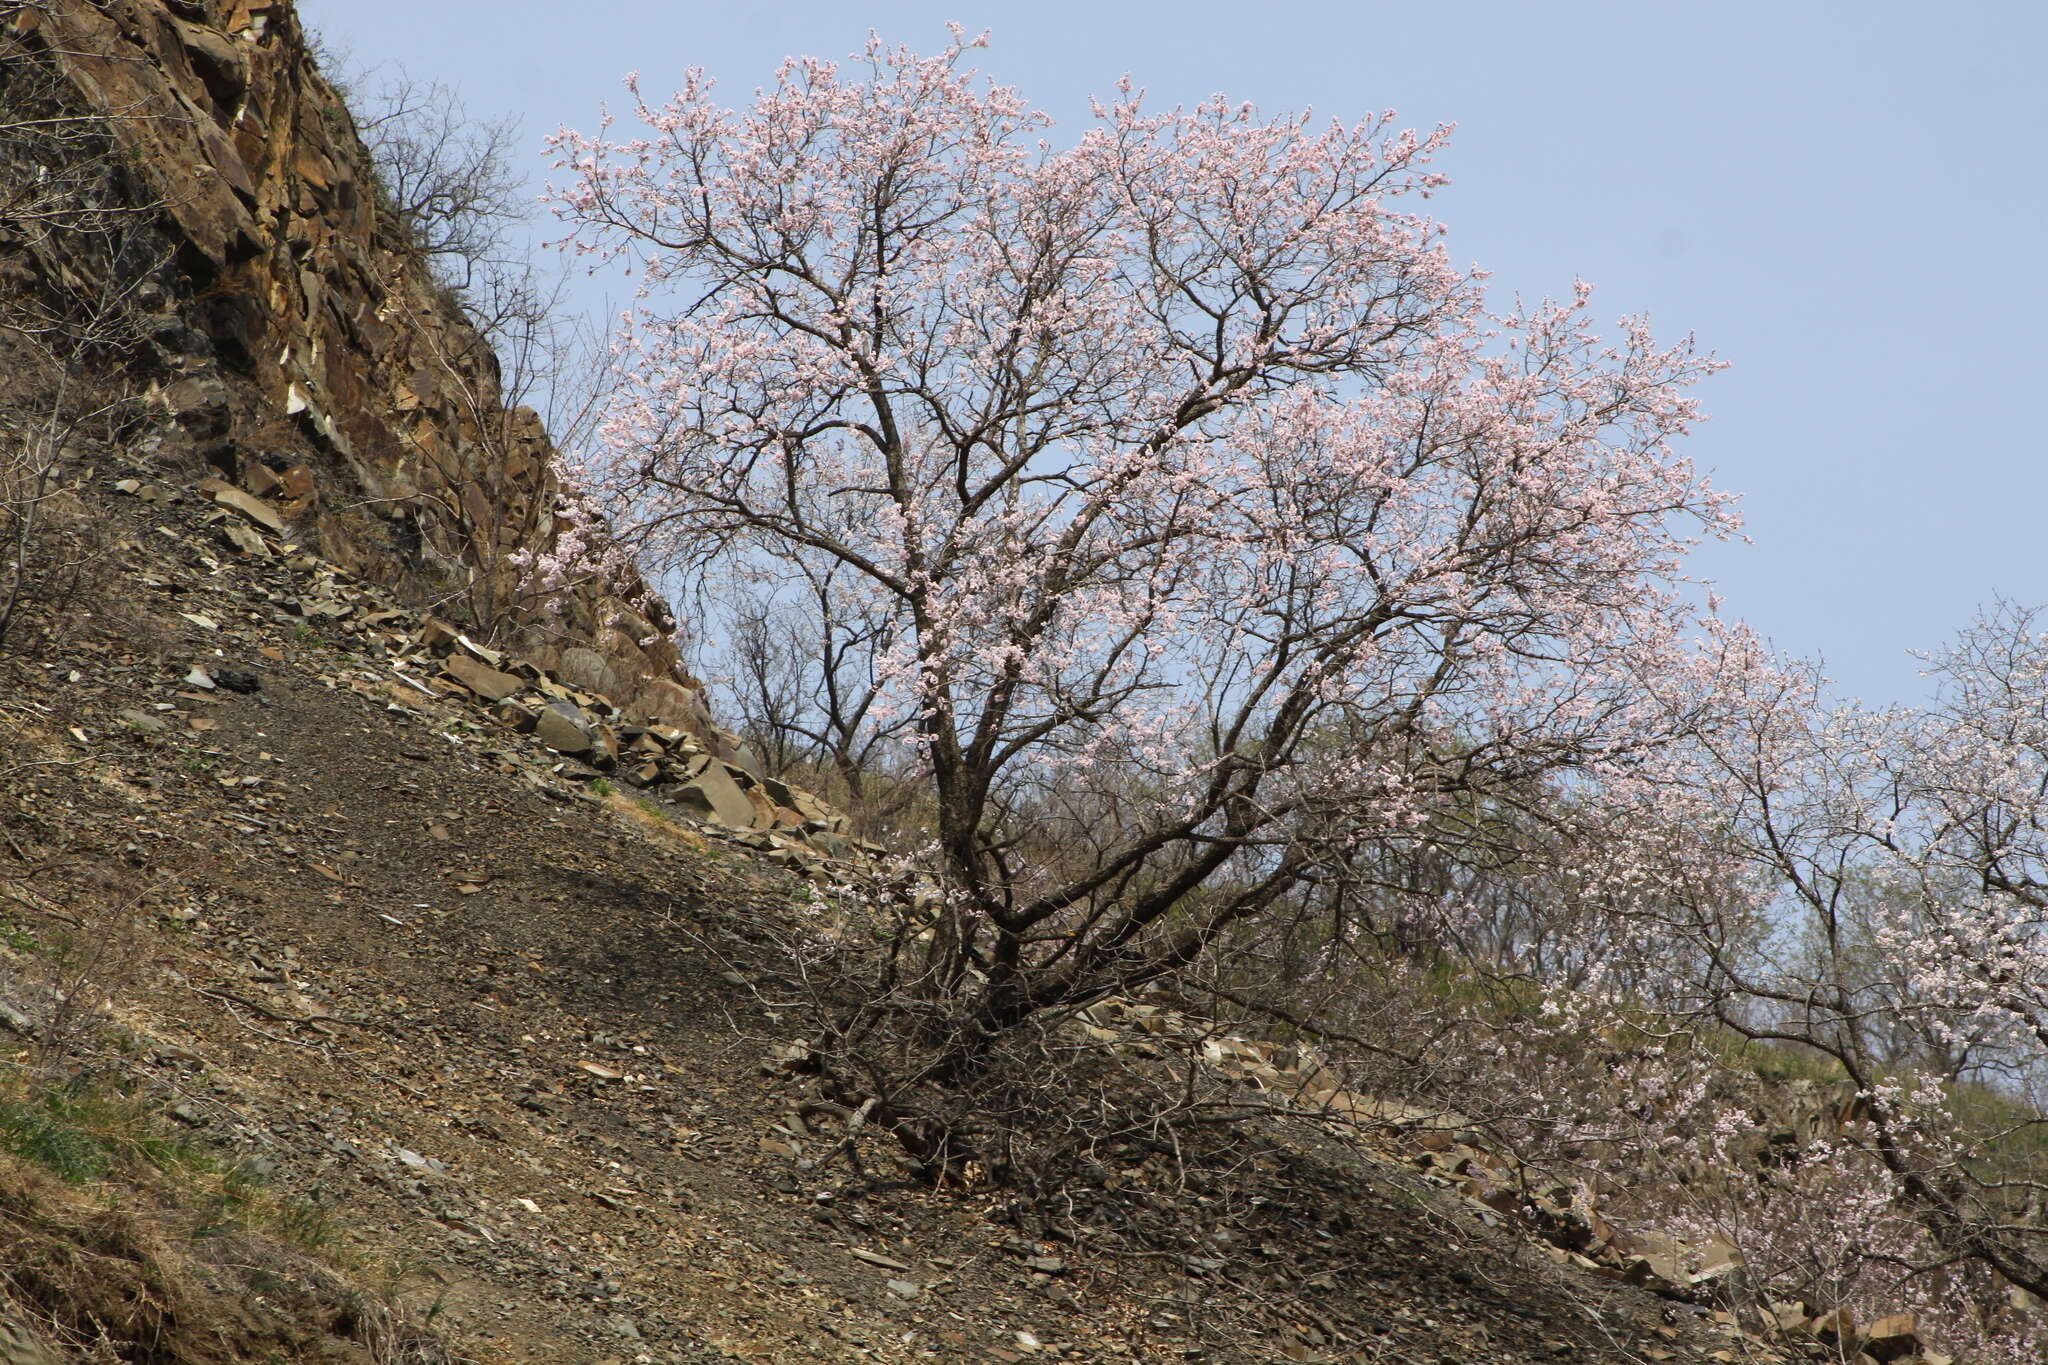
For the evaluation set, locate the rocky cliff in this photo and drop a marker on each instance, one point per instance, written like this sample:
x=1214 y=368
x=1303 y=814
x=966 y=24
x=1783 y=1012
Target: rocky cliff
x=320 y=365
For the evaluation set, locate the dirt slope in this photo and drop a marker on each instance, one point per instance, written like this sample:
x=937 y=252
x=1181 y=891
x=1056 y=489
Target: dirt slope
x=344 y=951
x=512 y=1040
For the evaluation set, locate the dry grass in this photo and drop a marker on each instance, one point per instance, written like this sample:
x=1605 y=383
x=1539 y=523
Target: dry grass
x=645 y=816
x=124 y=1238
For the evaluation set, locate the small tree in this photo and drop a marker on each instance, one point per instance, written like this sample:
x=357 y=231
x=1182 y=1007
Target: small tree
x=1217 y=530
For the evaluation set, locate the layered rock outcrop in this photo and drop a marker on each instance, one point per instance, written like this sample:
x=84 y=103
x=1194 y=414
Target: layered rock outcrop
x=324 y=366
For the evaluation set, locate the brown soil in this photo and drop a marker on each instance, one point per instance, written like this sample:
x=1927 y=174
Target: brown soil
x=514 y=1042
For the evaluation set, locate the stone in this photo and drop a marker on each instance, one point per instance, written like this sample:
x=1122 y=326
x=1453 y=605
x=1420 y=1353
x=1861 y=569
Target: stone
x=485 y=681
x=332 y=607
x=1892 y=1338
x=876 y=1258
x=764 y=809
x=520 y=718
x=174 y=335
x=243 y=540
x=143 y=722
x=235 y=500
x=437 y=635
x=200 y=405
x=295 y=485
x=587 y=670
x=812 y=809
x=666 y=702
x=482 y=654
x=711 y=792
x=18 y=1347
x=1837 y=1327
x=742 y=757
x=220 y=63
x=565 y=729
x=828 y=843
x=418 y=1162
x=258 y=479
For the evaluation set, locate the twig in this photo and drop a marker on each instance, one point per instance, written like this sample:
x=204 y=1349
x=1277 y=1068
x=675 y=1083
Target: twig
x=311 y=1020
x=265 y=1033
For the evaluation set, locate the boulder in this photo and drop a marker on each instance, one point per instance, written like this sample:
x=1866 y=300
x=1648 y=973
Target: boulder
x=666 y=702
x=520 y=718
x=587 y=671
x=829 y=844
x=485 y=681
x=710 y=792
x=564 y=728
x=741 y=755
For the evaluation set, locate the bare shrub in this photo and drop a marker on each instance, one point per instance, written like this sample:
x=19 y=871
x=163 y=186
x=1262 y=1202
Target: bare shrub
x=517 y=372
x=80 y=278
x=444 y=176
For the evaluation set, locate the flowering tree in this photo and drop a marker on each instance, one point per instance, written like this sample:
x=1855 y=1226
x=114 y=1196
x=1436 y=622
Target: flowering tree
x=1211 y=529
x=1863 y=893
x=1857 y=894
x=1905 y=856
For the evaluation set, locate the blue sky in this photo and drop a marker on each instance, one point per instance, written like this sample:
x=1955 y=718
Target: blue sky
x=1844 y=201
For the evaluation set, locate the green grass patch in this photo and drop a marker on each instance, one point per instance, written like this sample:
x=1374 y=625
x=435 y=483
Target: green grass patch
x=81 y=1130
x=13 y=936
x=86 y=1131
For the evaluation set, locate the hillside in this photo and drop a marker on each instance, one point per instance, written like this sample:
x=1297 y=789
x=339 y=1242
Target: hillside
x=394 y=970
x=509 y=1040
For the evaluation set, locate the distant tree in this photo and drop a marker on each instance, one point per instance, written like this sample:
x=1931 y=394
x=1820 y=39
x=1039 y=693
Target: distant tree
x=450 y=184
x=1905 y=856
x=1854 y=898
x=447 y=176
x=1208 y=528
x=805 y=672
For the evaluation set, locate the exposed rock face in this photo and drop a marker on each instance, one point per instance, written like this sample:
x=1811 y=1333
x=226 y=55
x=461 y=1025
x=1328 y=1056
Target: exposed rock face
x=325 y=365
